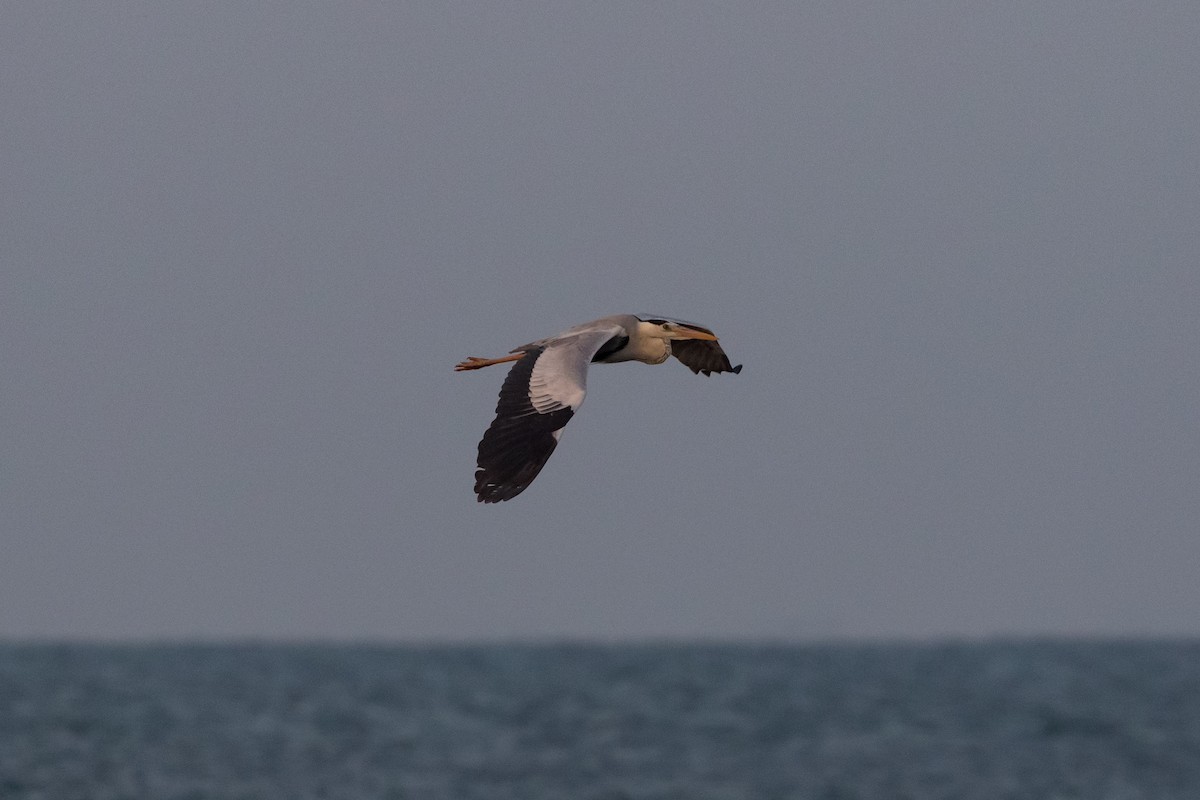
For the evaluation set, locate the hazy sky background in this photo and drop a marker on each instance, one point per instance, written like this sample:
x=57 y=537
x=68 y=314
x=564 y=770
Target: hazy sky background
x=956 y=245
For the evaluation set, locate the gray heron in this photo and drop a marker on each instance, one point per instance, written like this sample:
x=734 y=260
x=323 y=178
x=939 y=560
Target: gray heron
x=546 y=385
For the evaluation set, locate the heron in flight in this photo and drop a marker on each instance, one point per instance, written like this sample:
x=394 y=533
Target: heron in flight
x=547 y=384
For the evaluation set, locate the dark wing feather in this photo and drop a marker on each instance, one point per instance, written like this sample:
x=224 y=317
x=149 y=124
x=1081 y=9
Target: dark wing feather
x=700 y=355
x=520 y=440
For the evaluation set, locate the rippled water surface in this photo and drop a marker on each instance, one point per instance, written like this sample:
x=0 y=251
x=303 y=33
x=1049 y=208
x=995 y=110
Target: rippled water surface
x=1086 y=720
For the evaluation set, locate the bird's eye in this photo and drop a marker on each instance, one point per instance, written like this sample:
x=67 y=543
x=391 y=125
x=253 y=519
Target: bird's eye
x=666 y=326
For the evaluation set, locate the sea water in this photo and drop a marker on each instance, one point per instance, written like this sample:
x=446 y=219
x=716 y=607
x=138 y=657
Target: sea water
x=986 y=720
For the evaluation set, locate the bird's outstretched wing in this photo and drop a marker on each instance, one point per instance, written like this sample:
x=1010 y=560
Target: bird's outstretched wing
x=539 y=396
x=702 y=356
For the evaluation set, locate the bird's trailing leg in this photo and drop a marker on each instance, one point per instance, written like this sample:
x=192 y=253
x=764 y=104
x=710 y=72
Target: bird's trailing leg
x=473 y=362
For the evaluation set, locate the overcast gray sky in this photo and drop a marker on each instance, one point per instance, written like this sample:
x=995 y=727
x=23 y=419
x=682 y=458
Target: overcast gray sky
x=955 y=245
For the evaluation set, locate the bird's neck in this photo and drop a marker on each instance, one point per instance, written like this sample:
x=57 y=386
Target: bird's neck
x=648 y=350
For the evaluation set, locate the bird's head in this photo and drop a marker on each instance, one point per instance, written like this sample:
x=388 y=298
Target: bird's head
x=663 y=328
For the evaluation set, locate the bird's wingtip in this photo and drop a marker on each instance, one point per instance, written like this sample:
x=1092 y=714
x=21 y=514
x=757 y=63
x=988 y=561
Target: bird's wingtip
x=737 y=369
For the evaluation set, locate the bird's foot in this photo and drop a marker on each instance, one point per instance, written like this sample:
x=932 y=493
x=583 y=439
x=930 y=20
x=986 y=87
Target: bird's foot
x=474 y=362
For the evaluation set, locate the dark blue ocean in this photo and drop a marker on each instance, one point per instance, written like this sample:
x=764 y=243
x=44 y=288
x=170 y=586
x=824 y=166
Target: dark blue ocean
x=1019 y=719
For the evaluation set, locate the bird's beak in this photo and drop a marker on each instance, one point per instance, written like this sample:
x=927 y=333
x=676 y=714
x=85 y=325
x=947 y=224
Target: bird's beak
x=692 y=333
